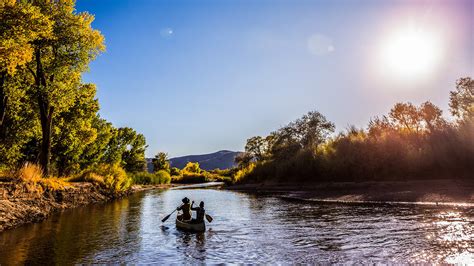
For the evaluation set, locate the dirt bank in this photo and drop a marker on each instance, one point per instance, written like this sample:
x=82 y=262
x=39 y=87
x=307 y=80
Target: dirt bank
x=22 y=203
x=426 y=191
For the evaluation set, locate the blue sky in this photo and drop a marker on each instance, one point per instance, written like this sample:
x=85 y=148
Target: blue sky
x=201 y=76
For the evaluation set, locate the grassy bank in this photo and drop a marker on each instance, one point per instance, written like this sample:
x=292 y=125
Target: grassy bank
x=26 y=195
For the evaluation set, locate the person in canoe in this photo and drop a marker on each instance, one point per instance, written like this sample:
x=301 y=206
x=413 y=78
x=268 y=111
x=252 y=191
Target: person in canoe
x=200 y=212
x=186 y=209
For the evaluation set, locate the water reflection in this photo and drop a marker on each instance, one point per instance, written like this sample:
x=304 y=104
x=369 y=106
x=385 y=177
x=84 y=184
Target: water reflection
x=246 y=229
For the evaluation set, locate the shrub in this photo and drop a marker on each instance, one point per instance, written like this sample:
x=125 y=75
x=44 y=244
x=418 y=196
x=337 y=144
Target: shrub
x=145 y=178
x=188 y=178
x=174 y=171
x=142 y=178
x=192 y=168
x=162 y=177
x=110 y=177
x=242 y=173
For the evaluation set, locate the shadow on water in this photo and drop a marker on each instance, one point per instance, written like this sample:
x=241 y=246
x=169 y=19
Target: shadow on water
x=246 y=229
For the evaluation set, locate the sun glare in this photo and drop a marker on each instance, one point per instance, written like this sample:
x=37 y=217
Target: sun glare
x=410 y=53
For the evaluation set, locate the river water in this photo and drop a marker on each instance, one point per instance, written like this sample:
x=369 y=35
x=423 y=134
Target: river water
x=247 y=228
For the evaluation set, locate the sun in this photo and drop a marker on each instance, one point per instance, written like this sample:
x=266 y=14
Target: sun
x=410 y=53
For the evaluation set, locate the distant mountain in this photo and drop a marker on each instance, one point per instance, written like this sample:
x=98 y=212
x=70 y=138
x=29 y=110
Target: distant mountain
x=221 y=159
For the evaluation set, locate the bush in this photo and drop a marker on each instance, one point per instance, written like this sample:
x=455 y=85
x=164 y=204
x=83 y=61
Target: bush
x=174 y=171
x=142 y=178
x=192 y=168
x=162 y=177
x=110 y=177
x=189 y=178
x=242 y=173
x=145 y=178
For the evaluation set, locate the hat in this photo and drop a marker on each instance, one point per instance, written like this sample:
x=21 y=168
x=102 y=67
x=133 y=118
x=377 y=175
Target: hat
x=185 y=200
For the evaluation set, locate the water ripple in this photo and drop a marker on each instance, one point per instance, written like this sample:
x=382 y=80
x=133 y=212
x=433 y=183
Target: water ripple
x=246 y=229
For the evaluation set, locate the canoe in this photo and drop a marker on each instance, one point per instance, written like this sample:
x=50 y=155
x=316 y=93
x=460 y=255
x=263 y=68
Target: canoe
x=199 y=227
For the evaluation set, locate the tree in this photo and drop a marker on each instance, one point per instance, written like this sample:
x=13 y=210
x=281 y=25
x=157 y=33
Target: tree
x=74 y=130
x=256 y=147
x=20 y=24
x=127 y=148
x=306 y=132
x=461 y=101
x=161 y=162
x=406 y=117
x=59 y=59
x=97 y=151
x=432 y=116
x=243 y=159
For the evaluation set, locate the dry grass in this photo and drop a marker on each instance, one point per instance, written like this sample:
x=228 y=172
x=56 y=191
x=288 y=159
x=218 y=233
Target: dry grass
x=29 y=173
x=32 y=175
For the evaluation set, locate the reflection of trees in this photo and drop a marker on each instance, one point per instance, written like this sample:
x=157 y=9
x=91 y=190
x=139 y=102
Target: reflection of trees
x=75 y=234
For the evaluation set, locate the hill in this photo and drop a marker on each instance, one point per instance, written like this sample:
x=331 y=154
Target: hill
x=222 y=159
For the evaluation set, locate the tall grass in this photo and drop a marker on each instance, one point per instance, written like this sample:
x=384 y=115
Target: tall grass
x=32 y=176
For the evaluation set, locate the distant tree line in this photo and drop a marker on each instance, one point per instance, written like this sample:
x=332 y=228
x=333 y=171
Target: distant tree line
x=48 y=115
x=411 y=142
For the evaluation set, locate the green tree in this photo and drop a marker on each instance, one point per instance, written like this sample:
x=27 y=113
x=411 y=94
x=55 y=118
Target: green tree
x=161 y=162
x=97 y=151
x=74 y=130
x=127 y=147
x=306 y=132
x=20 y=24
x=58 y=61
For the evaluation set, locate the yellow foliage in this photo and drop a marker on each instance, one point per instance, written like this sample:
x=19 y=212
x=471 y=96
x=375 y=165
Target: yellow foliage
x=242 y=173
x=111 y=177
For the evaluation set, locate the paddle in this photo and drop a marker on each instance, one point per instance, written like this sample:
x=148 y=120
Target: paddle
x=209 y=218
x=168 y=216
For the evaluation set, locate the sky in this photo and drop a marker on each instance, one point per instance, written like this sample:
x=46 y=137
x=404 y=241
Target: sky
x=201 y=76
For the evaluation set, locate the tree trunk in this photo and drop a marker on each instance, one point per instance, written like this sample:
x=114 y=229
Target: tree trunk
x=46 y=115
x=46 y=118
x=3 y=105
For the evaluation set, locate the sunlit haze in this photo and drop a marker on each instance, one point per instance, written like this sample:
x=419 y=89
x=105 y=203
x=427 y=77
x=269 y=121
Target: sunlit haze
x=201 y=76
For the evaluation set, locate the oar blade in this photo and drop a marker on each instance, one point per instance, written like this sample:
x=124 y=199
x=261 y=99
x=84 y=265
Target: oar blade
x=166 y=218
x=209 y=218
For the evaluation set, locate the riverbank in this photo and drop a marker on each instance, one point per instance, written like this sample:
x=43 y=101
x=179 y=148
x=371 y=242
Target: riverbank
x=419 y=191
x=23 y=203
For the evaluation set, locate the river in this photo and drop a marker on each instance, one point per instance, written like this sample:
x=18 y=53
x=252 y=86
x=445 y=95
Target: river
x=247 y=228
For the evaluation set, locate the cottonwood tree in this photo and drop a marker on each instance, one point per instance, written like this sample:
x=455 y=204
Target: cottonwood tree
x=58 y=61
x=304 y=133
x=126 y=147
x=74 y=130
x=20 y=24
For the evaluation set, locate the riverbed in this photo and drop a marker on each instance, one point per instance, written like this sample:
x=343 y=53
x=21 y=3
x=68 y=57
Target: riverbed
x=247 y=228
